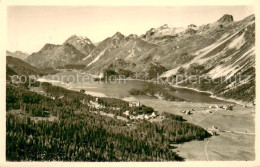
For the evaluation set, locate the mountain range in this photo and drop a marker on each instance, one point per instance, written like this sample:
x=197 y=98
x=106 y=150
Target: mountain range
x=17 y=54
x=225 y=48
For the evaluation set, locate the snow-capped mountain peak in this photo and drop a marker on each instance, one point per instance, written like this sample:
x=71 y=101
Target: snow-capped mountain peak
x=83 y=44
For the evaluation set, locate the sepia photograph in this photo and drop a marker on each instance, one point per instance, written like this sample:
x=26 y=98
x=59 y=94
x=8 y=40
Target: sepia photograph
x=129 y=83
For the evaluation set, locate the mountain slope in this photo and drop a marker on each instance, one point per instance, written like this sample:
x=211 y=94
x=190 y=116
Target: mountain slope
x=230 y=61
x=107 y=45
x=17 y=54
x=224 y=45
x=168 y=46
x=16 y=66
x=131 y=50
x=55 y=56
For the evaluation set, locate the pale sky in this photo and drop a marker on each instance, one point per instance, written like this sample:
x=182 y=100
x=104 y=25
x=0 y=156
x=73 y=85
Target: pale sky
x=29 y=28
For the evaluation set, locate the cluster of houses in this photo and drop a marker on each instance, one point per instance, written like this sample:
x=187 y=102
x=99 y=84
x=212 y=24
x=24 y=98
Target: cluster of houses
x=188 y=112
x=49 y=118
x=132 y=116
x=95 y=104
x=225 y=107
x=140 y=116
x=91 y=103
x=42 y=92
x=53 y=98
x=213 y=130
x=82 y=91
x=134 y=104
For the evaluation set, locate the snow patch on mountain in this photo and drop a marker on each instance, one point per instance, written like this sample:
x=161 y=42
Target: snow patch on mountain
x=82 y=40
x=154 y=63
x=237 y=43
x=97 y=57
x=170 y=31
x=131 y=55
x=132 y=52
x=88 y=56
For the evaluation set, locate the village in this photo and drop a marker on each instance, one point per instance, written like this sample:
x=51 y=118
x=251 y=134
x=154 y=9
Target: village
x=213 y=130
x=224 y=107
x=127 y=115
x=134 y=115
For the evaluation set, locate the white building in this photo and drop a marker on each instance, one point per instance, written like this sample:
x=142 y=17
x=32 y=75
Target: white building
x=228 y=107
x=146 y=116
x=141 y=116
x=211 y=106
x=153 y=115
x=126 y=113
x=134 y=104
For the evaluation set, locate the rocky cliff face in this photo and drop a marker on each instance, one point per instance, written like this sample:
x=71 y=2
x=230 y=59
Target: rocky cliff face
x=226 y=18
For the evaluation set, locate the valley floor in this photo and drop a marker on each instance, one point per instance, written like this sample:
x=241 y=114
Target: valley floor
x=235 y=129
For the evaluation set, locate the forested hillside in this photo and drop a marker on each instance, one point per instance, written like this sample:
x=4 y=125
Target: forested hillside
x=41 y=128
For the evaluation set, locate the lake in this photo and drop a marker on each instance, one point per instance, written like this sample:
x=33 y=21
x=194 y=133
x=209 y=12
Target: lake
x=119 y=88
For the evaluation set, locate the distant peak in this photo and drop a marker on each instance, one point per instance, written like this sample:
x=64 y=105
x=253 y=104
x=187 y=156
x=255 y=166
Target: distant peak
x=20 y=52
x=73 y=36
x=226 y=18
x=16 y=52
x=49 y=46
x=250 y=17
x=117 y=34
x=132 y=36
x=78 y=39
x=192 y=26
x=164 y=26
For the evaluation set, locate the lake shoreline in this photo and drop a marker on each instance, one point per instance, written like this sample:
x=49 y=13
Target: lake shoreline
x=200 y=91
x=211 y=95
x=214 y=96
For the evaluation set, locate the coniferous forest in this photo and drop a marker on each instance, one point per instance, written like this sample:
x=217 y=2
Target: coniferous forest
x=79 y=133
